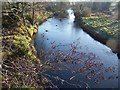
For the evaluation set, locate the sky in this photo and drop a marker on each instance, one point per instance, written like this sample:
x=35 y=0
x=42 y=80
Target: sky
x=62 y=0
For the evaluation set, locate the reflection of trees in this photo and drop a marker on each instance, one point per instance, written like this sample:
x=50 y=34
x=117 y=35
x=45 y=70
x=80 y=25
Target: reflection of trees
x=77 y=63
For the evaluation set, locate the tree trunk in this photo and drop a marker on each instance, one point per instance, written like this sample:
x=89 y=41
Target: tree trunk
x=33 y=12
x=23 y=13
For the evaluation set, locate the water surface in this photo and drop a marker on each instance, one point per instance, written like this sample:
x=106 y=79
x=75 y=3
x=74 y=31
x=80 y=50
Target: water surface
x=64 y=32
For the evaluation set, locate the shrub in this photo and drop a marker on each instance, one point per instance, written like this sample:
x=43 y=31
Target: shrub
x=86 y=12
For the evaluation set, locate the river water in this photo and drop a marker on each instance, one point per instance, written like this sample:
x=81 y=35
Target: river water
x=63 y=34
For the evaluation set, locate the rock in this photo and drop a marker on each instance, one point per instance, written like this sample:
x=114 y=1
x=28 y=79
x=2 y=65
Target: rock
x=112 y=43
x=46 y=30
x=60 y=19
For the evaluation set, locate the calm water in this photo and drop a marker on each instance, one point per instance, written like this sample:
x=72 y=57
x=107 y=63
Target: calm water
x=64 y=32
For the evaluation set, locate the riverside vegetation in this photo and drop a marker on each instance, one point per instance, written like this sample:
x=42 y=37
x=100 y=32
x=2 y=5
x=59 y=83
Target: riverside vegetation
x=101 y=21
x=21 y=67
x=107 y=29
x=20 y=62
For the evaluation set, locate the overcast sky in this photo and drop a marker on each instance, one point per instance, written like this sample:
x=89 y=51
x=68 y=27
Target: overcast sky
x=61 y=0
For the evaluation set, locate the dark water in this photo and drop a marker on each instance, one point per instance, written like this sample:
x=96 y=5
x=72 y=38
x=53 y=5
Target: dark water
x=63 y=32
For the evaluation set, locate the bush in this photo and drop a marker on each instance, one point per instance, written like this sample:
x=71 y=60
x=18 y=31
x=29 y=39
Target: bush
x=9 y=21
x=60 y=14
x=86 y=12
x=78 y=18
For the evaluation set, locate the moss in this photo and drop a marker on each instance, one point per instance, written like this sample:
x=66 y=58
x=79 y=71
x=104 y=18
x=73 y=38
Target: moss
x=24 y=46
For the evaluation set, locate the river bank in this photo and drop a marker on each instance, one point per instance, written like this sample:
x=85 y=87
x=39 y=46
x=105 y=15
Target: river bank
x=102 y=30
x=20 y=58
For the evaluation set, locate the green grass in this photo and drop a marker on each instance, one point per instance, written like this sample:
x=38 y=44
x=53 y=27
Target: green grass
x=103 y=24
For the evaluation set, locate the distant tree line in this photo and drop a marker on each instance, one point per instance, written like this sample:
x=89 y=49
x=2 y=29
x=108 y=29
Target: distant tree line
x=58 y=8
x=87 y=7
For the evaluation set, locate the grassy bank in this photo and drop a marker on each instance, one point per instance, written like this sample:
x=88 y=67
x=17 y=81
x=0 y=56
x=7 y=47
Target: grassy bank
x=103 y=29
x=103 y=25
x=21 y=65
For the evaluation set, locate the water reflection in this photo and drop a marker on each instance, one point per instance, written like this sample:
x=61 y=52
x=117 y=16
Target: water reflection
x=64 y=33
x=71 y=15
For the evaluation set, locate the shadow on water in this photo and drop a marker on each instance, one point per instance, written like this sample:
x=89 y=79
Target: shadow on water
x=75 y=59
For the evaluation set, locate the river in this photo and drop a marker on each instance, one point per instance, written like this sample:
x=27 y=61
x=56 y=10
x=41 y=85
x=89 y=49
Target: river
x=62 y=36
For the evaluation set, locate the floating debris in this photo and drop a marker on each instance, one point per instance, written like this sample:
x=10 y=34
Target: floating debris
x=46 y=30
x=72 y=77
x=87 y=63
